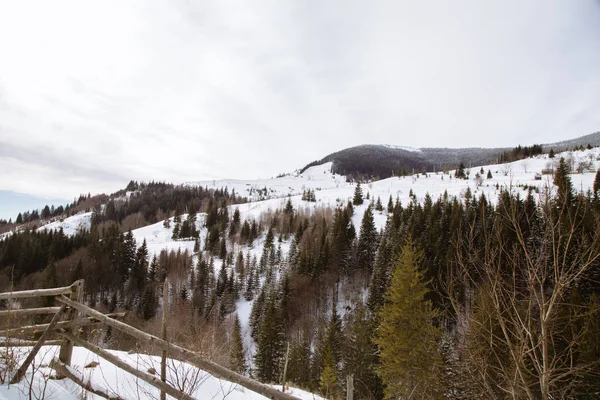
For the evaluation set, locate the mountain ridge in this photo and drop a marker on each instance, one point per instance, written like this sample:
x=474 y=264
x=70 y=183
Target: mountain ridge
x=379 y=161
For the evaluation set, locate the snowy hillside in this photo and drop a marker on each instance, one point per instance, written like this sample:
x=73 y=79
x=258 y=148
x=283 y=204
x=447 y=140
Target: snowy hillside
x=318 y=178
x=71 y=225
x=195 y=382
x=332 y=189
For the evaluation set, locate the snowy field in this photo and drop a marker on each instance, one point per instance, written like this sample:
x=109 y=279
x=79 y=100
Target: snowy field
x=198 y=383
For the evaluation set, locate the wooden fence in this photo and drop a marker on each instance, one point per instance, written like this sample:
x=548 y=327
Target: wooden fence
x=72 y=314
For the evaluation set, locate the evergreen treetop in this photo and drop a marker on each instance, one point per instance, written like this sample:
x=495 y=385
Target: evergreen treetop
x=358 y=195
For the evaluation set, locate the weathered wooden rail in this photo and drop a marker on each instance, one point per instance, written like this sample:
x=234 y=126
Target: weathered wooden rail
x=76 y=315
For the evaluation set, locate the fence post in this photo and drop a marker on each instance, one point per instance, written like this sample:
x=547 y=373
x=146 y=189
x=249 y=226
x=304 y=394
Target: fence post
x=287 y=358
x=163 y=359
x=350 y=387
x=66 y=349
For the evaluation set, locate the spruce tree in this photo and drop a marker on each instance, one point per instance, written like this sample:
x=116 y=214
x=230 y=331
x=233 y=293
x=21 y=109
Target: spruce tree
x=380 y=277
x=460 y=172
x=269 y=239
x=597 y=184
x=147 y=307
x=563 y=182
x=330 y=351
x=328 y=379
x=367 y=241
x=235 y=222
x=406 y=336
x=289 y=208
x=237 y=357
x=257 y=313
x=299 y=363
x=360 y=354
x=378 y=205
x=139 y=270
x=489 y=174
x=357 y=200
x=390 y=205
x=270 y=345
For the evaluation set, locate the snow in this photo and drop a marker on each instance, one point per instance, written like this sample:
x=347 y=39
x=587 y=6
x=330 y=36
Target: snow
x=317 y=178
x=200 y=384
x=71 y=225
x=160 y=238
x=405 y=148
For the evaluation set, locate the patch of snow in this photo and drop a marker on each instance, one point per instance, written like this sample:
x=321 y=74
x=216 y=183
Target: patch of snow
x=405 y=148
x=71 y=225
x=115 y=380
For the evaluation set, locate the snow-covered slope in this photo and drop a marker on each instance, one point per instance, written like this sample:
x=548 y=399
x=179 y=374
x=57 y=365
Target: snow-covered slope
x=332 y=189
x=195 y=382
x=71 y=225
x=318 y=178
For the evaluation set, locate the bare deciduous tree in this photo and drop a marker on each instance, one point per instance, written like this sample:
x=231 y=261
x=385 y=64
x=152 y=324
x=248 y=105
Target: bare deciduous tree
x=515 y=288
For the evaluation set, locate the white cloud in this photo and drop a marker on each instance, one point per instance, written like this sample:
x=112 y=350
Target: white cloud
x=93 y=94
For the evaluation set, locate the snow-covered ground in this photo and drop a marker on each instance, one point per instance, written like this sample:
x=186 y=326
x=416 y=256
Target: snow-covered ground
x=199 y=384
x=71 y=225
x=316 y=178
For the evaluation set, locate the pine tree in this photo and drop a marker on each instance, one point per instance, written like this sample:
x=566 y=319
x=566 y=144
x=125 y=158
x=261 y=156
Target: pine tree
x=328 y=379
x=269 y=239
x=235 y=222
x=139 y=270
x=551 y=153
x=289 y=208
x=390 y=205
x=357 y=200
x=380 y=278
x=237 y=357
x=378 y=205
x=360 y=354
x=270 y=345
x=563 y=181
x=460 y=172
x=597 y=184
x=489 y=174
x=406 y=336
x=257 y=313
x=149 y=304
x=367 y=241
x=299 y=363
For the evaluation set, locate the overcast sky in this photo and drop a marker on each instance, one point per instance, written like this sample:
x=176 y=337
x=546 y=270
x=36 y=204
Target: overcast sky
x=93 y=94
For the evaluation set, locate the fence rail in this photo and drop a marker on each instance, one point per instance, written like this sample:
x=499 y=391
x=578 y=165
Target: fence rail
x=76 y=315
